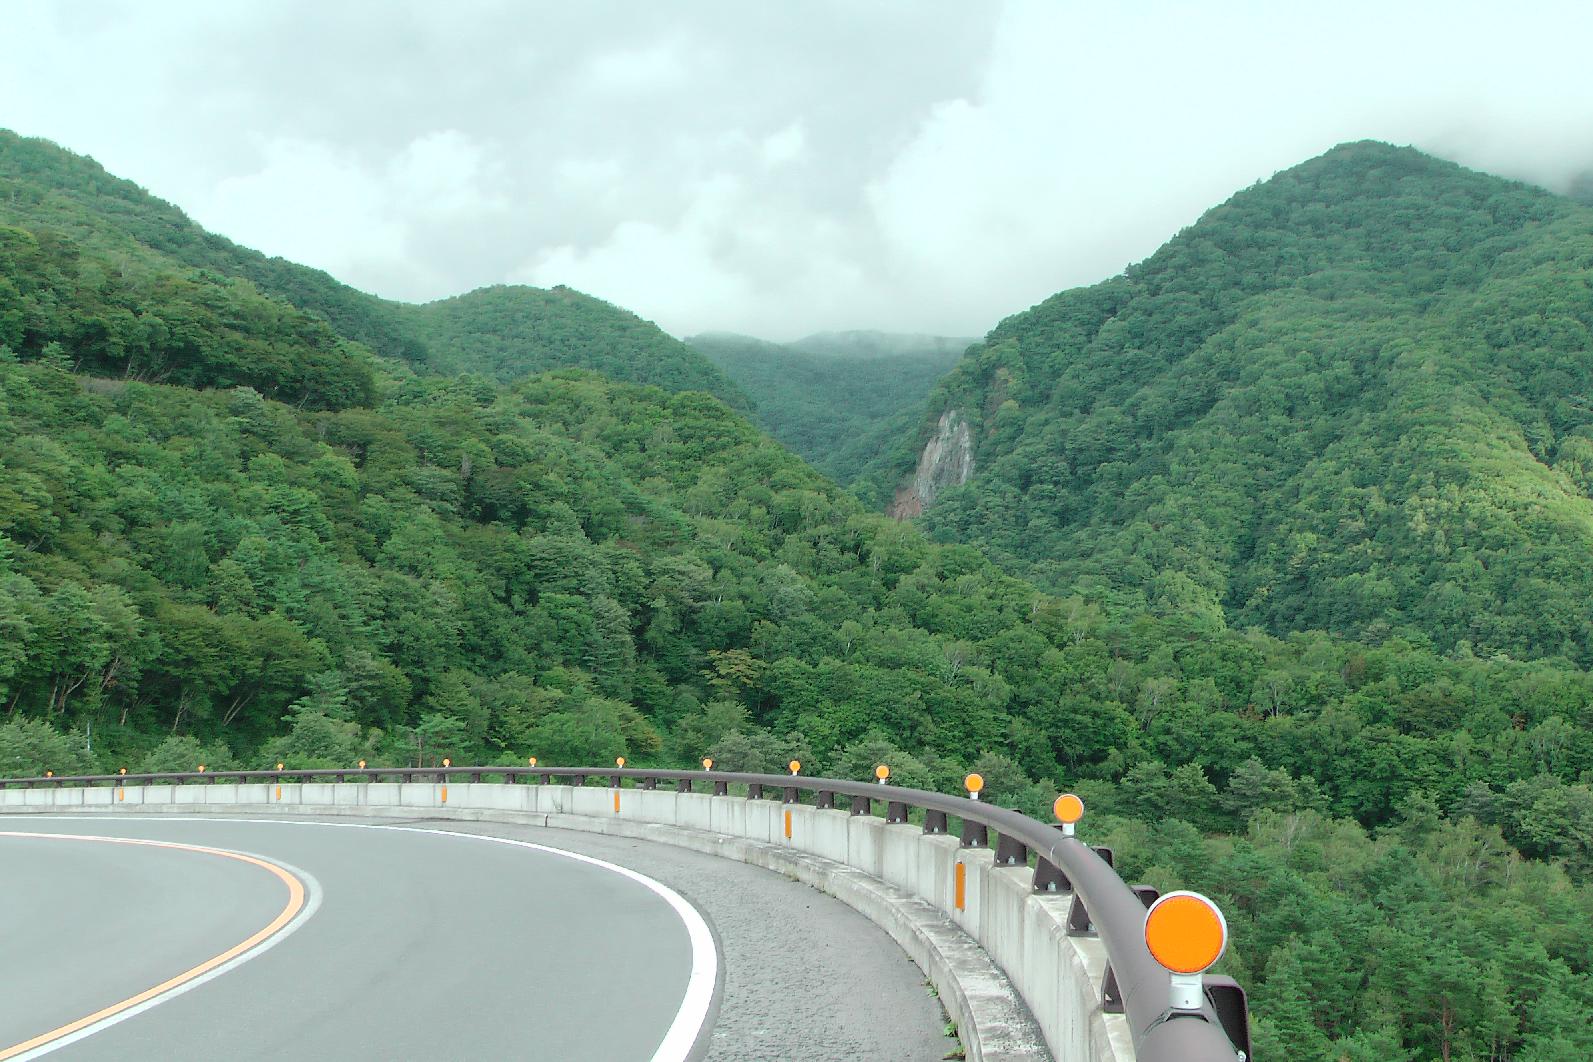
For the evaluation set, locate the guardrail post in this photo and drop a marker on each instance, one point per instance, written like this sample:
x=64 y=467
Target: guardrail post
x=721 y=788
x=1010 y=852
x=1048 y=877
x=683 y=785
x=862 y=806
x=895 y=811
x=578 y=781
x=755 y=791
x=1233 y=1011
x=934 y=822
x=547 y=779
x=790 y=795
x=974 y=834
x=649 y=783
x=824 y=799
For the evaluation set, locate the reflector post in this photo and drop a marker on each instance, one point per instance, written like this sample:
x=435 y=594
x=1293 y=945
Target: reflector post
x=974 y=783
x=1068 y=810
x=1186 y=933
x=882 y=772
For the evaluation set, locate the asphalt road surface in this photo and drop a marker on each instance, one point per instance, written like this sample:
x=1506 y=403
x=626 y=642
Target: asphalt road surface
x=271 y=940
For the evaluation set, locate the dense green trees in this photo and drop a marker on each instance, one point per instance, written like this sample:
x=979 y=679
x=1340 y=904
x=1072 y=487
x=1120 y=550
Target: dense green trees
x=508 y=331
x=1352 y=398
x=132 y=288
x=837 y=399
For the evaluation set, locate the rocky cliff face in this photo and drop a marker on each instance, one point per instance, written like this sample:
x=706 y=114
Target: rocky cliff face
x=947 y=461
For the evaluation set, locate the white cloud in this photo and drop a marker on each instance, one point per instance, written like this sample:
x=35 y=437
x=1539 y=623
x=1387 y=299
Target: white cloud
x=778 y=169
x=788 y=145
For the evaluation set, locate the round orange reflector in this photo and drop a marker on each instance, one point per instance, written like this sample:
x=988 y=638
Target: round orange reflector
x=707 y=764
x=201 y=768
x=532 y=761
x=51 y=774
x=279 y=766
x=124 y=770
x=447 y=762
x=974 y=783
x=882 y=772
x=1068 y=808
x=795 y=765
x=619 y=761
x=362 y=764
x=1185 y=932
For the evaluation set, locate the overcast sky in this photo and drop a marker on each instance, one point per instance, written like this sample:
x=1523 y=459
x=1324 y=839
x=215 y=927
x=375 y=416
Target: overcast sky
x=771 y=168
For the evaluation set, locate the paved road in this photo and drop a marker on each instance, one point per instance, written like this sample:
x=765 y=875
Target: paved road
x=426 y=945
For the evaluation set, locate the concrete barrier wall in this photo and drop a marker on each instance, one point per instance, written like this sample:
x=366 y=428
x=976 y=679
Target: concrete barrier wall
x=1058 y=977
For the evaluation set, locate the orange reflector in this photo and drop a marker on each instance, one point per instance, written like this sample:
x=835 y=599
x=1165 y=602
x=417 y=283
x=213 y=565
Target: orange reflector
x=974 y=783
x=1185 y=932
x=960 y=886
x=616 y=801
x=788 y=825
x=707 y=764
x=619 y=761
x=882 y=772
x=1068 y=808
x=795 y=765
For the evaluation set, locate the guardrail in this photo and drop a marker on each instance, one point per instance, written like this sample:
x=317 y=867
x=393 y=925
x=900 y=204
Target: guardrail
x=1173 y=1014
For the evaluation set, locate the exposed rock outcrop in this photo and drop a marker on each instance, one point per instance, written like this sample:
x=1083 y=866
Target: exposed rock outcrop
x=947 y=461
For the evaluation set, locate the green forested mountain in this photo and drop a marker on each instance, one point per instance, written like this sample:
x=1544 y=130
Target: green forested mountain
x=260 y=541
x=117 y=231
x=839 y=399
x=1355 y=398
x=508 y=331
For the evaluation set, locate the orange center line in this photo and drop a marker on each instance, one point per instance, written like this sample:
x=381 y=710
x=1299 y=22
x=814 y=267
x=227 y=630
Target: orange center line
x=295 y=904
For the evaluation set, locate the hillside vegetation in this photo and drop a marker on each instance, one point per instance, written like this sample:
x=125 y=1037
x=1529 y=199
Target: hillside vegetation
x=244 y=569
x=1356 y=398
x=839 y=399
x=125 y=238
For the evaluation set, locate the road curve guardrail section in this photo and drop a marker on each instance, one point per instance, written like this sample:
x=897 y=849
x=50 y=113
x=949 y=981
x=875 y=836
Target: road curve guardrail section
x=1157 y=948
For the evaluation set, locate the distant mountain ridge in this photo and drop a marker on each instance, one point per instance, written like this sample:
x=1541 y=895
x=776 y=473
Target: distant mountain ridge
x=503 y=331
x=836 y=398
x=870 y=344
x=1357 y=397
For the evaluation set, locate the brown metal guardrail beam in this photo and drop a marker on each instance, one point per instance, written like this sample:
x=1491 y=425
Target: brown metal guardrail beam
x=1137 y=985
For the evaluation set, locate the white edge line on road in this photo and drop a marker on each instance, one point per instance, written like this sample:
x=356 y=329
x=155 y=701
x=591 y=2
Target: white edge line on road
x=312 y=903
x=678 y=1042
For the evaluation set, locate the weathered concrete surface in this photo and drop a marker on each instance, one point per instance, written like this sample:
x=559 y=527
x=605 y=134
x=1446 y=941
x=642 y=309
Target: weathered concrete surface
x=1009 y=975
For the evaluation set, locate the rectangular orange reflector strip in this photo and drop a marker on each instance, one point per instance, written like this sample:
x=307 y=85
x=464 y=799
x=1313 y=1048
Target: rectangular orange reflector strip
x=960 y=877
x=788 y=825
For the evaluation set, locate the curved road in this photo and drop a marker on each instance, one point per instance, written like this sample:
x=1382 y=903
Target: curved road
x=326 y=939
